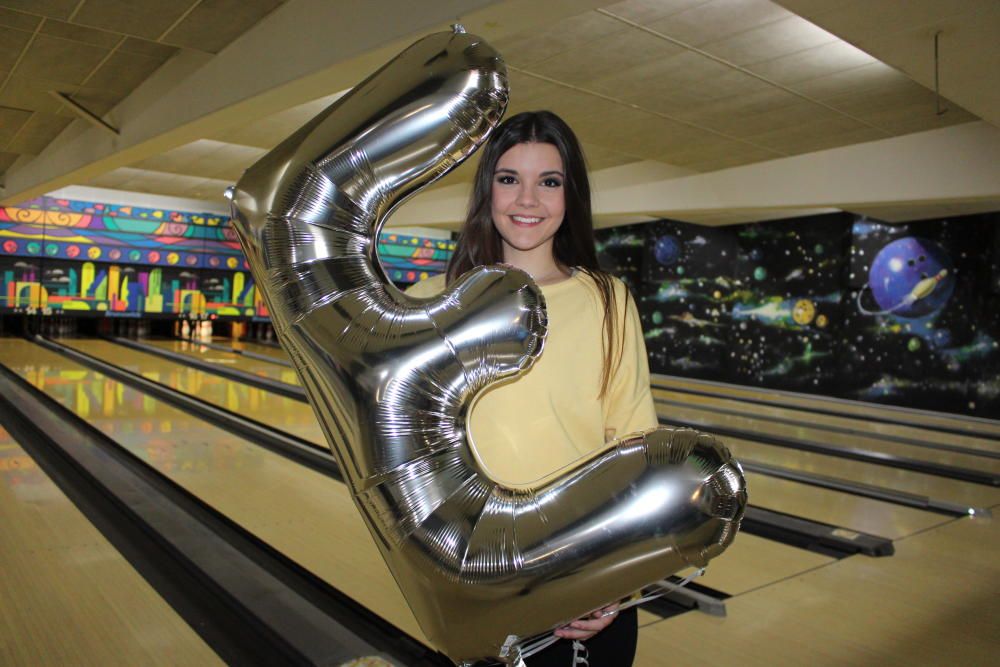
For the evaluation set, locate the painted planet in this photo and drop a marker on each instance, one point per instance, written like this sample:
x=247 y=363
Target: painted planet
x=913 y=344
x=232 y=262
x=819 y=249
x=93 y=252
x=153 y=256
x=680 y=270
x=912 y=277
x=115 y=254
x=667 y=250
x=214 y=261
x=33 y=248
x=803 y=312
x=821 y=321
x=173 y=258
x=190 y=260
x=51 y=249
x=657 y=317
x=134 y=255
x=73 y=251
x=10 y=246
x=759 y=273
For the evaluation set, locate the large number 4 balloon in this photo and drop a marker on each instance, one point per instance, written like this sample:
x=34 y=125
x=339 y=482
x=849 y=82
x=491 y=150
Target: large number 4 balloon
x=392 y=378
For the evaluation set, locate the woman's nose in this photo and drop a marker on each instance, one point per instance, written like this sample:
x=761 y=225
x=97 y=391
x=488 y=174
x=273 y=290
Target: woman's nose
x=527 y=196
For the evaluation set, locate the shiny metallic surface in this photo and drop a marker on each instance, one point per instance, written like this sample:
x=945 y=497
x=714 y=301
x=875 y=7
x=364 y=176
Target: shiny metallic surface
x=393 y=378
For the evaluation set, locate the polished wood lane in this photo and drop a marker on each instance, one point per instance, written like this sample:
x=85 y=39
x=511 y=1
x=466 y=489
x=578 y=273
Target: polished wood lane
x=69 y=597
x=278 y=411
x=304 y=514
x=908 y=481
x=934 y=603
x=819 y=436
x=839 y=509
x=250 y=346
x=855 y=408
x=920 y=435
x=227 y=359
x=749 y=563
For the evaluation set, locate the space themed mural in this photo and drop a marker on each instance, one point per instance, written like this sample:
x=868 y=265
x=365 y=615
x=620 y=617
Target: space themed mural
x=915 y=330
x=832 y=304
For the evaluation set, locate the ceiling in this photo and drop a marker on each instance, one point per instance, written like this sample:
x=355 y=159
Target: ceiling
x=688 y=86
x=96 y=52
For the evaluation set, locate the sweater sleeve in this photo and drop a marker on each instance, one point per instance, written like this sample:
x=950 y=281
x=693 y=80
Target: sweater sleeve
x=630 y=400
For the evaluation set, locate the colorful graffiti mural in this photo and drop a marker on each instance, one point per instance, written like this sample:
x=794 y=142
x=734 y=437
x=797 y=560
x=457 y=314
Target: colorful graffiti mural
x=60 y=255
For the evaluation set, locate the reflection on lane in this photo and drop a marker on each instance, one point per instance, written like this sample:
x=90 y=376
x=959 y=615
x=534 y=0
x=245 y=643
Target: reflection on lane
x=227 y=359
x=302 y=513
x=280 y=412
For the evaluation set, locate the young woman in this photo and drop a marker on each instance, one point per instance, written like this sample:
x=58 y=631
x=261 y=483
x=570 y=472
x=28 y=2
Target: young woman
x=530 y=207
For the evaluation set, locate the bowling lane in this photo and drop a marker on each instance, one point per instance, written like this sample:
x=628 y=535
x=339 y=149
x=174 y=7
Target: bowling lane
x=256 y=348
x=839 y=509
x=908 y=481
x=227 y=359
x=920 y=436
x=751 y=562
x=832 y=439
x=281 y=412
x=771 y=561
x=304 y=514
x=933 y=603
x=69 y=596
x=857 y=409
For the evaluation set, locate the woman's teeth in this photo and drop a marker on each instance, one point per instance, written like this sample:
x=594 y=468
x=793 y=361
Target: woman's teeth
x=524 y=220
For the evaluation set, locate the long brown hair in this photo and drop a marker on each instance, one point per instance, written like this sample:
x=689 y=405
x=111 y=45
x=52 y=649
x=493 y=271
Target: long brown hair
x=479 y=242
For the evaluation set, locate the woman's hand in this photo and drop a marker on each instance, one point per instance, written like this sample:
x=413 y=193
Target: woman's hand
x=588 y=626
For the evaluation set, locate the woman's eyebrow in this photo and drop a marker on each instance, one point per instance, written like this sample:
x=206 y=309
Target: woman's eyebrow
x=507 y=170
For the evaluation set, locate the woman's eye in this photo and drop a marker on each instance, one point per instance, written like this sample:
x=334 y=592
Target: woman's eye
x=506 y=180
x=552 y=182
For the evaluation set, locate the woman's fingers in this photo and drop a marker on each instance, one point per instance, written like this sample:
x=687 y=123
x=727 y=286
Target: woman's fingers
x=587 y=627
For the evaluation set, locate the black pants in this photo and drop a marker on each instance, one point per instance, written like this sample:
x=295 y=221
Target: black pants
x=614 y=646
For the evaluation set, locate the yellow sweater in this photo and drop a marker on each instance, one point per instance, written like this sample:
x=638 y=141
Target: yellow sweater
x=549 y=417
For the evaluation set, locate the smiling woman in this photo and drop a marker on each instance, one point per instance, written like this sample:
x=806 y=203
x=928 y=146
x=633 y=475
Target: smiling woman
x=530 y=208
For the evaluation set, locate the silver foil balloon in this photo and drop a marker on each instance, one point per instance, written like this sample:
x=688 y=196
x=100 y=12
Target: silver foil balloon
x=393 y=378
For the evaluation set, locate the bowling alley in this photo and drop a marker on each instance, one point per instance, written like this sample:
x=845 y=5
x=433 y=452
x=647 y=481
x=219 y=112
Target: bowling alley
x=585 y=333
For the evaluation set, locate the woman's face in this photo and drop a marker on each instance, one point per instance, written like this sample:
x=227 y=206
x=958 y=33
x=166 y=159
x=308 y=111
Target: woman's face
x=528 y=201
